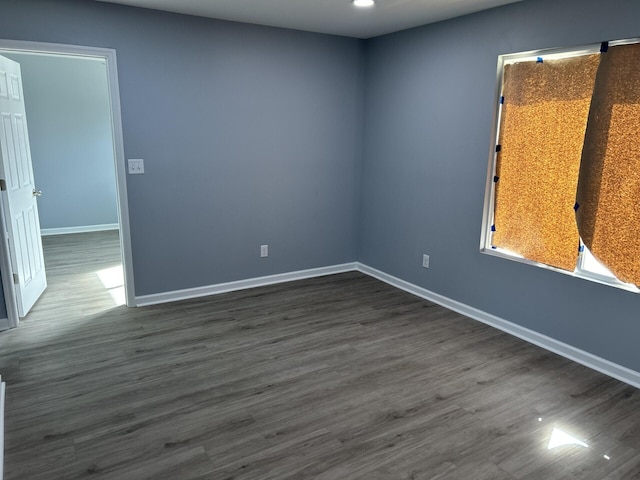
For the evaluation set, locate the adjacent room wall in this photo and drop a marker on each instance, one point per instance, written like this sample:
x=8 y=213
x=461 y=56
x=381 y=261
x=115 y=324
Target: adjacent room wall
x=251 y=135
x=67 y=103
x=429 y=113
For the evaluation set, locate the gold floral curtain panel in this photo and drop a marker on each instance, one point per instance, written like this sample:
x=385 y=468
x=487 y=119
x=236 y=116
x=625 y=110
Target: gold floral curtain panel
x=568 y=165
x=608 y=196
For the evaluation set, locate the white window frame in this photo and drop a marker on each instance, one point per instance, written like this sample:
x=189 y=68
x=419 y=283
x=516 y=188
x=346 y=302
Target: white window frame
x=489 y=197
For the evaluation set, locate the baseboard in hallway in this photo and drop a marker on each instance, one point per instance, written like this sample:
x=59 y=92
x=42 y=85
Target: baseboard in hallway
x=79 y=229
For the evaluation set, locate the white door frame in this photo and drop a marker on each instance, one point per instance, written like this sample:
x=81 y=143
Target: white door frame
x=109 y=56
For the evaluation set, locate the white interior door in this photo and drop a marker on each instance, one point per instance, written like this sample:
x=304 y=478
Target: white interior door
x=19 y=195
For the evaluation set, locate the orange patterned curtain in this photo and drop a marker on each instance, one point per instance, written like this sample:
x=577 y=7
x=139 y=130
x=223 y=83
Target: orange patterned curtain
x=608 y=215
x=542 y=129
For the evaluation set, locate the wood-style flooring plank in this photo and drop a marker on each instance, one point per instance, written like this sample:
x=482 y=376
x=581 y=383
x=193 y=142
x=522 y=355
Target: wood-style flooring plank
x=339 y=377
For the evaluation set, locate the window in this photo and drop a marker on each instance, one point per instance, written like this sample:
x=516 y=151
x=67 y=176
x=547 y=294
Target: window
x=563 y=189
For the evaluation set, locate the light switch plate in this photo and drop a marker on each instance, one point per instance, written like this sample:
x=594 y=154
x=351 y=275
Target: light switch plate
x=136 y=166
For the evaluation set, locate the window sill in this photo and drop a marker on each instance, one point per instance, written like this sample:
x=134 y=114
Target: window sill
x=576 y=273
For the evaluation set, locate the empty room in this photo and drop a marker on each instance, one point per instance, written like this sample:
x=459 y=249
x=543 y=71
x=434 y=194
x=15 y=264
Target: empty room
x=353 y=240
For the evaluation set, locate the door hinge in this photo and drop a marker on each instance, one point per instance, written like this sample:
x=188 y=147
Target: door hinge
x=16 y=279
x=3 y=184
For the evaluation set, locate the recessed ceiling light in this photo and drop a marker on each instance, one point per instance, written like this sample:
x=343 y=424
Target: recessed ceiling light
x=363 y=3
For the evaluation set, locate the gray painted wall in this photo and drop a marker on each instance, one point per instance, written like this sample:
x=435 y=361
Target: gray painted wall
x=67 y=102
x=251 y=135
x=429 y=109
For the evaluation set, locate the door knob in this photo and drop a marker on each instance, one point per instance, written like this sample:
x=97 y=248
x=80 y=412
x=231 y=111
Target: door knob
x=37 y=193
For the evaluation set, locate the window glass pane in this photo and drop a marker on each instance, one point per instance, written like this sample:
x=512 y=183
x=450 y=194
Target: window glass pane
x=592 y=265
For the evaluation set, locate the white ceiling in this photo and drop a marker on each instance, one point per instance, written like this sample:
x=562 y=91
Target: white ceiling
x=338 y=17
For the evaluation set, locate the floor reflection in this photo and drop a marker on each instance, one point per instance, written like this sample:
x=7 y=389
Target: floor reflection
x=561 y=438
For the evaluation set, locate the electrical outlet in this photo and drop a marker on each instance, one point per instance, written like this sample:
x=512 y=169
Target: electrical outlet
x=425 y=261
x=136 y=166
x=264 y=251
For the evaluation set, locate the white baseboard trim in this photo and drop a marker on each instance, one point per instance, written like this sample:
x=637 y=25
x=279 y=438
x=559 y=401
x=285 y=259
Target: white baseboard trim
x=582 y=357
x=4 y=325
x=207 y=290
x=587 y=359
x=83 y=229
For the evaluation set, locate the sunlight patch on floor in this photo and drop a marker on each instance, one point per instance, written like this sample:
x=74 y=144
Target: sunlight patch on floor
x=113 y=280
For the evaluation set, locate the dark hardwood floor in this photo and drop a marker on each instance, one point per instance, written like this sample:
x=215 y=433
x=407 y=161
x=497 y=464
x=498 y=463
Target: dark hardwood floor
x=340 y=377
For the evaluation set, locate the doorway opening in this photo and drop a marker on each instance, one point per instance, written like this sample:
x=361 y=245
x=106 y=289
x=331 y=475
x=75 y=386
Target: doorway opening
x=73 y=114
